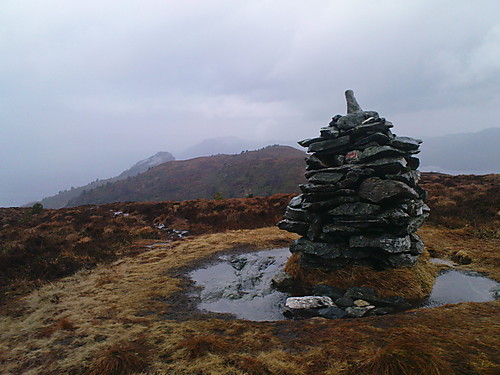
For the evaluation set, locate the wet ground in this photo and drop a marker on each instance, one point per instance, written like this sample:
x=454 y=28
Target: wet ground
x=241 y=285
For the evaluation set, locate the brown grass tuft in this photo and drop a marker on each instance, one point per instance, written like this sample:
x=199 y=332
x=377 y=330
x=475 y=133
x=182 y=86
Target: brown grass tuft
x=249 y=365
x=122 y=358
x=414 y=283
x=403 y=357
x=65 y=325
x=198 y=346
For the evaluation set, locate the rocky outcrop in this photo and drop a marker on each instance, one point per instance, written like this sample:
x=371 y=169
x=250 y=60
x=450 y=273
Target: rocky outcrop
x=362 y=203
x=334 y=303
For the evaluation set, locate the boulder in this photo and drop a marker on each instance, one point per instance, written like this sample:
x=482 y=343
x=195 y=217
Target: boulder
x=308 y=302
x=375 y=189
x=385 y=242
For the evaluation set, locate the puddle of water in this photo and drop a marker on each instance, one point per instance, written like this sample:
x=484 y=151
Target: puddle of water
x=461 y=286
x=241 y=285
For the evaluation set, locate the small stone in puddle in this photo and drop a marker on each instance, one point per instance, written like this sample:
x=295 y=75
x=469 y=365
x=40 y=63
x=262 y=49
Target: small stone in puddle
x=308 y=302
x=282 y=281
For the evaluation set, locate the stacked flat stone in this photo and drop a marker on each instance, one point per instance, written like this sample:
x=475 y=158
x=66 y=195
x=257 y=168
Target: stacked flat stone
x=362 y=203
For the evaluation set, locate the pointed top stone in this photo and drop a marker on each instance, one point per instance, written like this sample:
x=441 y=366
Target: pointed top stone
x=352 y=104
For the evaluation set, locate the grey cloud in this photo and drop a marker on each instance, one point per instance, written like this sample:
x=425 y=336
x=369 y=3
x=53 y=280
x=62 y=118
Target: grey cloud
x=116 y=81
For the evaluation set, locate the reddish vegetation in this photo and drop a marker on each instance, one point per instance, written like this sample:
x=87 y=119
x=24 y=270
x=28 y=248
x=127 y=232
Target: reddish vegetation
x=40 y=246
x=465 y=200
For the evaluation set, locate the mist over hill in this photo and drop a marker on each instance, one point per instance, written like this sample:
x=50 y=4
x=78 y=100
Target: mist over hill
x=226 y=145
x=271 y=170
x=467 y=153
x=62 y=198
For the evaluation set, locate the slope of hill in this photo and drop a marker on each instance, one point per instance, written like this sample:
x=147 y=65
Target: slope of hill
x=466 y=153
x=224 y=145
x=264 y=172
x=63 y=197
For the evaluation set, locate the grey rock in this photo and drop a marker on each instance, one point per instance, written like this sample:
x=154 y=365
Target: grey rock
x=361 y=303
x=360 y=292
x=309 y=141
x=355 y=209
x=402 y=260
x=399 y=303
x=332 y=313
x=282 y=281
x=396 y=216
x=321 y=263
x=362 y=222
x=416 y=222
x=380 y=152
x=334 y=120
x=329 y=133
x=353 y=253
x=345 y=168
x=326 y=178
x=294 y=227
x=378 y=137
x=381 y=126
x=331 y=145
x=380 y=311
x=417 y=246
x=296 y=202
x=352 y=103
x=354 y=119
x=314 y=162
x=325 y=205
x=308 y=302
x=376 y=190
x=388 y=165
x=325 y=250
x=313 y=188
x=344 y=229
x=328 y=290
x=319 y=196
x=410 y=178
x=385 y=242
x=299 y=314
x=357 y=312
x=413 y=163
x=354 y=177
x=406 y=143
x=297 y=214
x=315 y=229
x=344 y=302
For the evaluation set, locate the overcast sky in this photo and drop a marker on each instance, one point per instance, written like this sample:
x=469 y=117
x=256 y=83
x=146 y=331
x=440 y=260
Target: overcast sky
x=87 y=88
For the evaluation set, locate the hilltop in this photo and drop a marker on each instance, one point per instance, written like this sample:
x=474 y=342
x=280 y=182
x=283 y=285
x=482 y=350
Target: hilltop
x=264 y=172
x=62 y=198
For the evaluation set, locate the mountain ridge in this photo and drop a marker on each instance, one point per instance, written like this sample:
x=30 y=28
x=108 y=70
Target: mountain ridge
x=264 y=172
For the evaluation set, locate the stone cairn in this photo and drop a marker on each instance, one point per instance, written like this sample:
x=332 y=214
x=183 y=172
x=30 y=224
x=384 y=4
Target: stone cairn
x=362 y=204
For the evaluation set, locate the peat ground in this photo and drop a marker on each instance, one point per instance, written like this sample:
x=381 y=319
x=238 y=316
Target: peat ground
x=100 y=290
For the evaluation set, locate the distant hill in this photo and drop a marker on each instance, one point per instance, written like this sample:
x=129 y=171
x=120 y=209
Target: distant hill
x=476 y=153
x=63 y=197
x=271 y=170
x=223 y=145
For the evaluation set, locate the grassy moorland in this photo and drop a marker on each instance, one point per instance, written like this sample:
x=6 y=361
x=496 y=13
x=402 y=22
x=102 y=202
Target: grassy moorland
x=88 y=291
